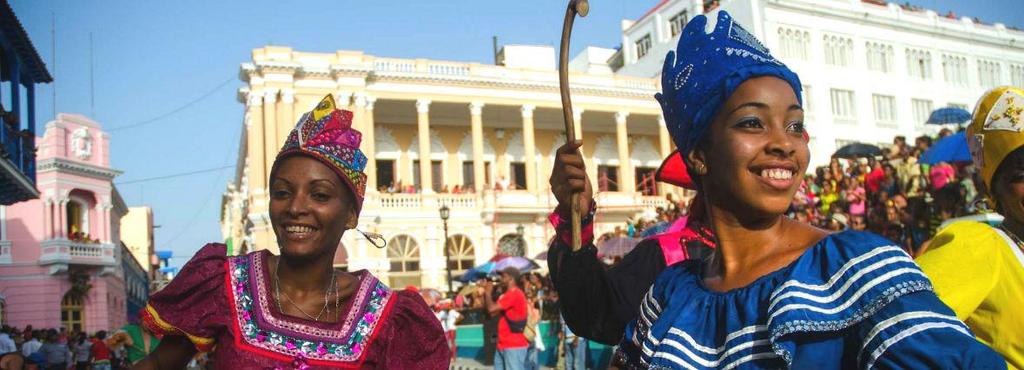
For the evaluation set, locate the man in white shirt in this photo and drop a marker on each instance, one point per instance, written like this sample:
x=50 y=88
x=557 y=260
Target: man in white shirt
x=6 y=343
x=30 y=347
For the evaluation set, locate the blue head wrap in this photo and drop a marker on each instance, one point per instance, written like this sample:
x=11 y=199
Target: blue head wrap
x=709 y=68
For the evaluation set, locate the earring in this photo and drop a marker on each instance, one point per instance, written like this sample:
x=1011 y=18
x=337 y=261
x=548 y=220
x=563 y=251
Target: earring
x=701 y=170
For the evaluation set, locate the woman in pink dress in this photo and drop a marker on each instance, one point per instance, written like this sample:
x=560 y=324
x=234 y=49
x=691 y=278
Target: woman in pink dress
x=263 y=311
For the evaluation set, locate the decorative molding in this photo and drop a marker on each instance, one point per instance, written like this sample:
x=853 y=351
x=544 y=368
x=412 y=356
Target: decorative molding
x=527 y=110
x=81 y=143
x=82 y=169
x=423 y=106
x=620 y=117
x=288 y=96
x=255 y=98
x=476 y=108
x=370 y=100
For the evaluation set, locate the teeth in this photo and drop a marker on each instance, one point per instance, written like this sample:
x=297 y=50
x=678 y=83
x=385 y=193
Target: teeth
x=777 y=173
x=298 y=229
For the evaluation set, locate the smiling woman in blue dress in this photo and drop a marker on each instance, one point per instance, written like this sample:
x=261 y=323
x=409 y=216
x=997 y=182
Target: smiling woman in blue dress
x=775 y=293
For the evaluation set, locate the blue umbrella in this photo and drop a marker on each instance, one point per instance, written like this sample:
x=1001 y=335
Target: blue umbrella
x=948 y=115
x=655 y=229
x=952 y=148
x=476 y=273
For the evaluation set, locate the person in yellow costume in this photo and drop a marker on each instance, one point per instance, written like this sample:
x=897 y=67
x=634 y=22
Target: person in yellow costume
x=977 y=269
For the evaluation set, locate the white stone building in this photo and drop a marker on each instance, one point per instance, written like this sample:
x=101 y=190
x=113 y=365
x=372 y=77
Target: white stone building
x=871 y=70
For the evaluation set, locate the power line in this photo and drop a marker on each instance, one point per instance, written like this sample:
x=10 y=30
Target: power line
x=174 y=175
x=176 y=110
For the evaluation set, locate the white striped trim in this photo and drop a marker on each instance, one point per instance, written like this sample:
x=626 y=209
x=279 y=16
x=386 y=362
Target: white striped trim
x=885 y=324
x=1013 y=245
x=713 y=363
x=864 y=289
x=888 y=262
x=835 y=277
x=675 y=359
x=908 y=332
x=753 y=329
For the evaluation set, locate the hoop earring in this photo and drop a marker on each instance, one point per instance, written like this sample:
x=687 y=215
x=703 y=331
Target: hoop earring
x=983 y=204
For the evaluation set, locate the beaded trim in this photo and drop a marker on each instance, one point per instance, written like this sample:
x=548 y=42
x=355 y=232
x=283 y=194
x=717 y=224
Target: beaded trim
x=263 y=294
x=251 y=333
x=886 y=297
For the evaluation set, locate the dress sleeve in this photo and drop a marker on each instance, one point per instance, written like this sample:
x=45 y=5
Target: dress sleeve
x=598 y=301
x=916 y=331
x=194 y=304
x=963 y=265
x=415 y=338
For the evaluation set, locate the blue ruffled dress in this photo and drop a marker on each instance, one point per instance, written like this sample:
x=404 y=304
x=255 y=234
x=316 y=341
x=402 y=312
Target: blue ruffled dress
x=851 y=301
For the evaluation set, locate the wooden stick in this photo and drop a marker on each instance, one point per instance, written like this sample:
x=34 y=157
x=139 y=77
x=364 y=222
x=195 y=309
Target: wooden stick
x=581 y=7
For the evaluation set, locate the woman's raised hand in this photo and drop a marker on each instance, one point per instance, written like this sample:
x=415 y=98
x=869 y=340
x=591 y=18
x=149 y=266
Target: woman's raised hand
x=568 y=176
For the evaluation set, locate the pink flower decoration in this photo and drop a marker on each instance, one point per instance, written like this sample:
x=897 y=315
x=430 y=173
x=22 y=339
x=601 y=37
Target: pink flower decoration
x=289 y=345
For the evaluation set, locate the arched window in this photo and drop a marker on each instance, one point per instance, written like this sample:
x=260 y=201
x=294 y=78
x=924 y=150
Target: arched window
x=461 y=253
x=404 y=254
x=512 y=245
x=71 y=313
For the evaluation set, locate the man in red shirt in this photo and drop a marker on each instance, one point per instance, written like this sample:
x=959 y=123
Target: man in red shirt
x=100 y=352
x=512 y=343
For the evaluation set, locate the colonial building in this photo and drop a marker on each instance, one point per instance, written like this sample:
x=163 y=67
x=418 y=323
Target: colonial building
x=479 y=138
x=871 y=69
x=137 y=235
x=63 y=264
x=20 y=70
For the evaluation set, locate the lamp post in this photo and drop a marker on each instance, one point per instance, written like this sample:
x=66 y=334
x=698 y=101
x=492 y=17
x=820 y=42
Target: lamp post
x=447 y=253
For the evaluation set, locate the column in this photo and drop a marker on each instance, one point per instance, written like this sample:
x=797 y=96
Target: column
x=255 y=146
x=476 y=121
x=270 y=141
x=626 y=182
x=368 y=144
x=423 y=125
x=665 y=144
x=529 y=147
x=3 y=223
x=105 y=211
x=285 y=116
x=62 y=212
x=359 y=111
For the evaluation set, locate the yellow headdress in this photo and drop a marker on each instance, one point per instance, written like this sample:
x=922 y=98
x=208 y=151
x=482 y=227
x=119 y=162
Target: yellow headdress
x=996 y=129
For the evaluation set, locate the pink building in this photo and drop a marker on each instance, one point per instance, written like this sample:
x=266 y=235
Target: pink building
x=60 y=255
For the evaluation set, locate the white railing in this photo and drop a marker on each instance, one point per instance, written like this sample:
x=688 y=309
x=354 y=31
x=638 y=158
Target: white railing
x=458 y=200
x=86 y=250
x=392 y=65
x=653 y=201
x=402 y=201
x=448 y=69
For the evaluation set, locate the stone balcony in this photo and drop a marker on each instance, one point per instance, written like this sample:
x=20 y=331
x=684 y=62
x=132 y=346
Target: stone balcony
x=501 y=202
x=67 y=252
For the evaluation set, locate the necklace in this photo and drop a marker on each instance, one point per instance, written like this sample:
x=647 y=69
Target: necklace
x=327 y=294
x=1016 y=240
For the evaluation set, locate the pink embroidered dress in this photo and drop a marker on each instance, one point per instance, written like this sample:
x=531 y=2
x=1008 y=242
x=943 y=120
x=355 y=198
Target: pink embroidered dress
x=225 y=305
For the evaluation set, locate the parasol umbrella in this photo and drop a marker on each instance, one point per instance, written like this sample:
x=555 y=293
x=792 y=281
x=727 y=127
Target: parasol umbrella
x=522 y=264
x=857 y=150
x=616 y=247
x=655 y=229
x=542 y=256
x=476 y=273
x=952 y=148
x=949 y=115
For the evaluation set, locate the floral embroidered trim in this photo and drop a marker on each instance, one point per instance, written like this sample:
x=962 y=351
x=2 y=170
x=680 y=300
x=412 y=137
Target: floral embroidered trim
x=263 y=292
x=347 y=350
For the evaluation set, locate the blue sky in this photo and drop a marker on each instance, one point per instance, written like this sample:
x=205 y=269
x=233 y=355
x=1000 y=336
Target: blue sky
x=153 y=59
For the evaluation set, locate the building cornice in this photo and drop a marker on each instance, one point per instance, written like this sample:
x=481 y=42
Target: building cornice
x=77 y=168
x=1008 y=38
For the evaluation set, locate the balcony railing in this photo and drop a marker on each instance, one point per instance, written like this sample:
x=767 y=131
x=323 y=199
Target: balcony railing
x=63 y=251
x=501 y=201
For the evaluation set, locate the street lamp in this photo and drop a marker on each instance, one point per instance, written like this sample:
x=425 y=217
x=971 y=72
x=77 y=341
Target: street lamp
x=445 y=212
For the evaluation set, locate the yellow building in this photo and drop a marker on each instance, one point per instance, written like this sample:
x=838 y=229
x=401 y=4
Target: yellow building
x=137 y=235
x=490 y=130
